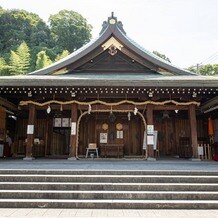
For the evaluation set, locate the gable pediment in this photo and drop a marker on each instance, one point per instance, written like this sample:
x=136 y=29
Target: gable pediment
x=115 y=62
x=113 y=50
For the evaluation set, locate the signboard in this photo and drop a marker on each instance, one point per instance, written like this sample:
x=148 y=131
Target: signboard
x=73 y=128
x=57 y=122
x=65 y=122
x=120 y=134
x=150 y=139
x=200 y=151
x=30 y=129
x=155 y=139
x=61 y=122
x=103 y=137
x=145 y=141
x=150 y=129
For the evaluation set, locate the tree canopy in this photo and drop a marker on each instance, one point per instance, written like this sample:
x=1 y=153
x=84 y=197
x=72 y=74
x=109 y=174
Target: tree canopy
x=70 y=30
x=25 y=39
x=208 y=69
x=18 y=26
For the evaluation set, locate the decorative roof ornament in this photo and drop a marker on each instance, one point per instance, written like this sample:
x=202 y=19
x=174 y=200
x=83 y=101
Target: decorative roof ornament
x=112 y=50
x=112 y=21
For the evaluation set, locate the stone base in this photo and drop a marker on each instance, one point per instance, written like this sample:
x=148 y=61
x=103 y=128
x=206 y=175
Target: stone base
x=151 y=159
x=195 y=159
x=72 y=158
x=28 y=158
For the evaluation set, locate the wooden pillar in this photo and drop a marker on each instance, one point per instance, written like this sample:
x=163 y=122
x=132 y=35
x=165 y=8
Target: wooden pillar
x=193 y=128
x=150 y=121
x=30 y=132
x=73 y=135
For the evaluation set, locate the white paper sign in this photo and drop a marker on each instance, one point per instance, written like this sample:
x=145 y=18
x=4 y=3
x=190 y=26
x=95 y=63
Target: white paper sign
x=120 y=134
x=200 y=151
x=73 y=128
x=103 y=137
x=150 y=139
x=145 y=141
x=150 y=129
x=155 y=139
x=65 y=122
x=57 y=122
x=30 y=129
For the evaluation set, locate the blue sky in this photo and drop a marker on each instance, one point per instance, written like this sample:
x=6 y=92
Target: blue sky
x=184 y=30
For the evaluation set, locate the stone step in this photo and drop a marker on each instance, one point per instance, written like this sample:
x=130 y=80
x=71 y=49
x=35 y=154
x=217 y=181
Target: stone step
x=110 y=178
x=118 y=195
x=109 y=189
x=109 y=204
x=109 y=186
x=107 y=172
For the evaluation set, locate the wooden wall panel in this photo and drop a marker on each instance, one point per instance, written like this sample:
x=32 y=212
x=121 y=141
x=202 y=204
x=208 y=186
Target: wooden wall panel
x=91 y=127
x=169 y=133
x=57 y=144
x=39 y=132
x=171 y=130
x=2 y=123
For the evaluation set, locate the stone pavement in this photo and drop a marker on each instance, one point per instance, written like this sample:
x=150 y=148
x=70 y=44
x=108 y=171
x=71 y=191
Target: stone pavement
x=104 y=213
x=109 y=164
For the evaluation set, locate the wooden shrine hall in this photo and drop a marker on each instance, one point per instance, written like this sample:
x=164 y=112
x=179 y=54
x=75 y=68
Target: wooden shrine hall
x=110 y=96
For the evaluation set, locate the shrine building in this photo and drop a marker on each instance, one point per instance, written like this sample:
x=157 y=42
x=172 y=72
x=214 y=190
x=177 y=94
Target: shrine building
x=112 y=96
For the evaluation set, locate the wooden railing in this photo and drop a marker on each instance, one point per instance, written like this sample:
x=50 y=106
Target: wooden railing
x=204 y=151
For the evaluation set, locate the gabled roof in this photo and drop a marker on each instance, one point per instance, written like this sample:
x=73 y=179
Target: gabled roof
x=113 y=35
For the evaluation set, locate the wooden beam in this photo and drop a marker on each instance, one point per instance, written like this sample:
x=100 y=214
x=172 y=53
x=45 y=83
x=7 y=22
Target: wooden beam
x=8 y=104
x=30 y=132
x=170 y=107
x=73 y=135
x=86 y=58
x=139 y=59
x=193 y=128
x=150 y=121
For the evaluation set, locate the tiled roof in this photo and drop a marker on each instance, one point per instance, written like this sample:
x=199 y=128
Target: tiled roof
x=115 y=29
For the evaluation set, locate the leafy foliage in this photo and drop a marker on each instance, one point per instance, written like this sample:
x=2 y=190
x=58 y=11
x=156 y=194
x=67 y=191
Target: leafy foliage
x=70 y=30
x=4 y=68
x=24 y=55
x=208 y=69
x=64 y=54
x=42 y=60
x=27 y=43
x=18 y=26
x=14 y=63
x=161 y=56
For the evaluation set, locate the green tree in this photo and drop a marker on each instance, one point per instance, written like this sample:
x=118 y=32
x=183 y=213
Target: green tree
x=70 y=30
x=4 y=68
x=18 y=26
x=42 y=60
x=208 y=69
x=161 y=56
x=24 y=55
x=15 y=63
x=64 y=54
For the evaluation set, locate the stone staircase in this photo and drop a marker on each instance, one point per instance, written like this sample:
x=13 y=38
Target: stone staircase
x=109 y=189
